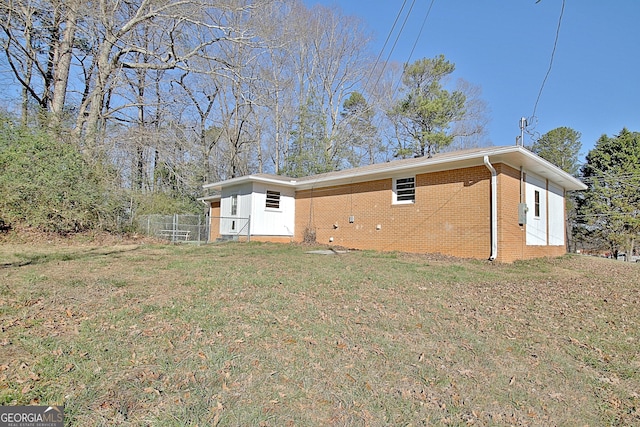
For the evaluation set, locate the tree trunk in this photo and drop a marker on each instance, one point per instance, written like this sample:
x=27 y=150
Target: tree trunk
x=64 y=55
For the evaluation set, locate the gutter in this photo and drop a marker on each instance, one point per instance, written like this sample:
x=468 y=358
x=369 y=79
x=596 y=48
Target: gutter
x=251 y=178
x=494 y=209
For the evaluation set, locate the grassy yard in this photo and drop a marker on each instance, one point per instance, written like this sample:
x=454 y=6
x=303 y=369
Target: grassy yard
x=269 y=335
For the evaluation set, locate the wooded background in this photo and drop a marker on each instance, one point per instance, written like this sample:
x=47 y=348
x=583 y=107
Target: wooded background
x=174 y=94
x=117 y=108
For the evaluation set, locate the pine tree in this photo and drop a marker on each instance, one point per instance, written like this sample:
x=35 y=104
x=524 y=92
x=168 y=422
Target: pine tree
x=610 y=207
x=428 y=110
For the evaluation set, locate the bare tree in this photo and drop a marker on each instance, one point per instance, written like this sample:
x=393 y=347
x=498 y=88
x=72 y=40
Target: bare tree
x=202 y=96
x=471 y=130
x=274 y=89
x=329 y=58
x=38 y=45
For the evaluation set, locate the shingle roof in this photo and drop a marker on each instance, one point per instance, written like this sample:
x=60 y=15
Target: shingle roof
x=394 y=164
x=514 y=156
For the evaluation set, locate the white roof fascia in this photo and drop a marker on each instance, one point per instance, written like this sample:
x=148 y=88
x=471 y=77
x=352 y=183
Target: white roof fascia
x=249 y=178
x=433 y=164
x=553 y=172
x=514 y=156
x=210 y=198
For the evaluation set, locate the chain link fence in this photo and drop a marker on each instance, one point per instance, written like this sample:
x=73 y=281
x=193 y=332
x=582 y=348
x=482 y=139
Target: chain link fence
x=232 y=228
x=176 y=228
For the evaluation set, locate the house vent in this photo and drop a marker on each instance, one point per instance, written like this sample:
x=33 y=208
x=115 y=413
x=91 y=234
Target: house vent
x=273 y=199
x=405 y=189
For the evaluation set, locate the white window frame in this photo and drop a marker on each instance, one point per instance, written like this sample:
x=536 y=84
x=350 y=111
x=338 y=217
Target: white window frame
x=272 y=200
x=536 y=204
x=405 y=191
x=234 y=204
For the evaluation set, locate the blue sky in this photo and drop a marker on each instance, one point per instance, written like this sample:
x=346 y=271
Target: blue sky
x=505 y=46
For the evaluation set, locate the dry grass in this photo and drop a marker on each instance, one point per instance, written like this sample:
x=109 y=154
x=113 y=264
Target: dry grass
x=267 y=335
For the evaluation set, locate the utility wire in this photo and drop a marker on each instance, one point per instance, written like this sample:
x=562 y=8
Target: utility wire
x=369 y=107
x=375 y=65
x=416 y=42
x=396 y=40
x=553 y=53
x=413 y=48
x=393 y=27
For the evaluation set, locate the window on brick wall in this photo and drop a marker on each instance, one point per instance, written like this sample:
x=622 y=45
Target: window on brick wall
x=273 y=199
x=404 y=190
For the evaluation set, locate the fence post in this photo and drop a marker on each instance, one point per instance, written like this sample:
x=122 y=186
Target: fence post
x=249 y=229
x=175 y=227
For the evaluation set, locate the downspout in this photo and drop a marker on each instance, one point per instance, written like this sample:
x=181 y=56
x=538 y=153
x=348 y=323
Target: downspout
x=494 y=209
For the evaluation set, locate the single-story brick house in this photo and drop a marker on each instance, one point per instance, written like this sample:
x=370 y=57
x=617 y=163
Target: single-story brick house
x=500 y=203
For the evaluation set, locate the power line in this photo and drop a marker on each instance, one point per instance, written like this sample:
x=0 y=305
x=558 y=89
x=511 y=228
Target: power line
x=396 y=40
x=553 y=53
x=375 y=65
x=420 y=32
x=416 y=42
x=404 y=3
x=404 y=22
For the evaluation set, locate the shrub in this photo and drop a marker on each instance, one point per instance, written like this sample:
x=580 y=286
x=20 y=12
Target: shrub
x=46 y=183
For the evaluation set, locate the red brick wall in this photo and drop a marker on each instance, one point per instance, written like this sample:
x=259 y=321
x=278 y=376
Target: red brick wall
x=511 y=236
x=451 y=215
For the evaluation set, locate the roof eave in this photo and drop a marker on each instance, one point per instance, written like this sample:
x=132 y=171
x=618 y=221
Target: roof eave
x=514 y=156
x=568 y=181
x=433 y=165
x=208 y=199
x=249 y=178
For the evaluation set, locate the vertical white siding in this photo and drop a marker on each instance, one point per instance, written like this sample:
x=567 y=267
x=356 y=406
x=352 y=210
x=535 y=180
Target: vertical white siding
x=556 y=216
x=252 y=204
x=243 y=193
x=536 y=225
x=270 y=221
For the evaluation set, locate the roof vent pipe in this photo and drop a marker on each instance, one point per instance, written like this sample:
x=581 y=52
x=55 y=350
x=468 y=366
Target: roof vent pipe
x=494 y=209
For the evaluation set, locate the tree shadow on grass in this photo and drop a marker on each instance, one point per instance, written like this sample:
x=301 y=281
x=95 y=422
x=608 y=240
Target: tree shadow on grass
x=35 y=259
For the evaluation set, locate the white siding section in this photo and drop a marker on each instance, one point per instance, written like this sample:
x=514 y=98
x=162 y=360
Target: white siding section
x=235 y=224
x=556 y=216
x=251 y=203
x=536 y=225
x=270 y=221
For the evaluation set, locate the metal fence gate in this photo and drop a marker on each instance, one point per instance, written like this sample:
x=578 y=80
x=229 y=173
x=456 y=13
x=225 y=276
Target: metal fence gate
x=176 y=228
x=231 y=228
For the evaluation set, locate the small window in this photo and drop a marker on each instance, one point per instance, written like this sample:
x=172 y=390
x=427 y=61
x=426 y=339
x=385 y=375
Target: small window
x=273 y=199
x=536 y=209
x=234 y=204
x=405 y=190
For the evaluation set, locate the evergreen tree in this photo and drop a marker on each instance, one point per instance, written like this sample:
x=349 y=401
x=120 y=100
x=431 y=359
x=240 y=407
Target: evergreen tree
x=610 y=208
x=309 y=154
x=561 y=146
x=428 y=110
x=362 y=143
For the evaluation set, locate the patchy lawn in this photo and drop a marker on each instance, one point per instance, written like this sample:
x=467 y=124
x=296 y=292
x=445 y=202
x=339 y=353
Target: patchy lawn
x=268 y=335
